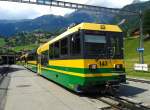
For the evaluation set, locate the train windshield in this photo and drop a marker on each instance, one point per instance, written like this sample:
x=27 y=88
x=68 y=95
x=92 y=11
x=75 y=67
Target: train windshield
x=99 y=39
x=103 y=45
x=95 y=45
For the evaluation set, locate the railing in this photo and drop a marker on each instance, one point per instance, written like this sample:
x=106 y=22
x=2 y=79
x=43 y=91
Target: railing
x=70 y=5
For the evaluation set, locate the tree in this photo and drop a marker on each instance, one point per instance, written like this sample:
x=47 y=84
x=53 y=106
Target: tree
x=146 y=23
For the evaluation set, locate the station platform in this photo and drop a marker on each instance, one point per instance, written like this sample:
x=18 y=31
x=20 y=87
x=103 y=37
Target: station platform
x=28 y=91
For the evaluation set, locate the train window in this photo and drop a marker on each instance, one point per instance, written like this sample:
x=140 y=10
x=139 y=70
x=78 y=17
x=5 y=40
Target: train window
x=95 y=45
x=31 y=57
x=116 y=45
x=95 y=38
x=44 y=58
x=51 y=51
x=39 y=59
x=75 y=44
x=56 y=50
x=64 y=46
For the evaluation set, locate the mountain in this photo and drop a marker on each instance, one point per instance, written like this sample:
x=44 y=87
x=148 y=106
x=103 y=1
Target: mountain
x=136 y=1
x=54 y=23
x=132 y=21
x=50 y=23
x=13 y=21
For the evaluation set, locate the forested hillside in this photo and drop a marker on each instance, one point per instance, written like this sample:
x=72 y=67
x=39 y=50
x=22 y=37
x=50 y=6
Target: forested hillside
x=24 y=41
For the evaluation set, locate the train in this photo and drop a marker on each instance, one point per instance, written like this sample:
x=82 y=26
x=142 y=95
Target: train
x=86 y=57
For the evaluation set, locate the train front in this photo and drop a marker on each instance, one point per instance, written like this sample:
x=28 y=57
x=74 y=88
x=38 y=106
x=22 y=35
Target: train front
x=103 y=58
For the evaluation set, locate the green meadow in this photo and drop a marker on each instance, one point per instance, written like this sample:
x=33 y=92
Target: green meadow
x=132 y=57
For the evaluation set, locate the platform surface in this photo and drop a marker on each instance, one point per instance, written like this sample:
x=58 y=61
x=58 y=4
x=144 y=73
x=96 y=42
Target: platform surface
x=28 y=91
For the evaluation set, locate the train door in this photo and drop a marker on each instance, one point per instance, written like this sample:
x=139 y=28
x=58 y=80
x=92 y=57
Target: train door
x=39 y=64
x=115 y=46
x=26 y=60
x=44 y=59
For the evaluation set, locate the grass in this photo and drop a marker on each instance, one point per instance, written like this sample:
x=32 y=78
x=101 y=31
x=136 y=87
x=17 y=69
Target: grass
x=132 y=57
x=2 y=42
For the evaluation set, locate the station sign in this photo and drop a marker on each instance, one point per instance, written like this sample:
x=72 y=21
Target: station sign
x=141 y=67
x=140 y=49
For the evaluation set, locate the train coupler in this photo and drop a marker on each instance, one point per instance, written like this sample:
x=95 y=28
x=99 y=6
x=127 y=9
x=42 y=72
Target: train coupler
x=111 y=88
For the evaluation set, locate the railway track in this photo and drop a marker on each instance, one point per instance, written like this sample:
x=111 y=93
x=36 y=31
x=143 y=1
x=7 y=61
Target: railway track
x=4 y=82
x=122 y=103
x=139 y=80
x=3 y=72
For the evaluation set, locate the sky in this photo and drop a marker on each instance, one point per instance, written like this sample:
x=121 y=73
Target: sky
x=11 y=10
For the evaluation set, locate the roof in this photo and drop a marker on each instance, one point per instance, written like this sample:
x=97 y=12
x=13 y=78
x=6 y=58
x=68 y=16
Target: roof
x=82 y=26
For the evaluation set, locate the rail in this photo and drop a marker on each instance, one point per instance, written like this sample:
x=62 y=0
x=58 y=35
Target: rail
x=123 y=103
x=139 y=80
x=3 y=72
x=71 y=5
x=4 y=82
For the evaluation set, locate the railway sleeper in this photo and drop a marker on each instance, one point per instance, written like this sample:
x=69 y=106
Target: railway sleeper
x=128 y=104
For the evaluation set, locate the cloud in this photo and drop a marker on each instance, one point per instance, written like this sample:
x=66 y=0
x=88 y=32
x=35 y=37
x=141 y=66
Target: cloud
x=10 y=10
x=110 y=3
x=13 y=11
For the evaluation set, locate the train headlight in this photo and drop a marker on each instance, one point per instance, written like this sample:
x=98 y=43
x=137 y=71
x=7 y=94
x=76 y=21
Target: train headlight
x=93 y=66
x=118 y=66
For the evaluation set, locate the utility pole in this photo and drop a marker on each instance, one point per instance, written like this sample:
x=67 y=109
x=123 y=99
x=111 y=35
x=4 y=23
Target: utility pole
x=141 y=45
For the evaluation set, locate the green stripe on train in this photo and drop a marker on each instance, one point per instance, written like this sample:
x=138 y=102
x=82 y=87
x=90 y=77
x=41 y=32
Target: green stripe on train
x=71 y=81
x=86 y=70
x=81 y=70
x=32 y=67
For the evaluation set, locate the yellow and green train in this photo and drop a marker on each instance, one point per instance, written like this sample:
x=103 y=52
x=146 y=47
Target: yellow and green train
x=84 y=58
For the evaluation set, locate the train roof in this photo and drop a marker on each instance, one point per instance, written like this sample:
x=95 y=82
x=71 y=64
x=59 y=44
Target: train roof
x=82 y=26
x=29 y=53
